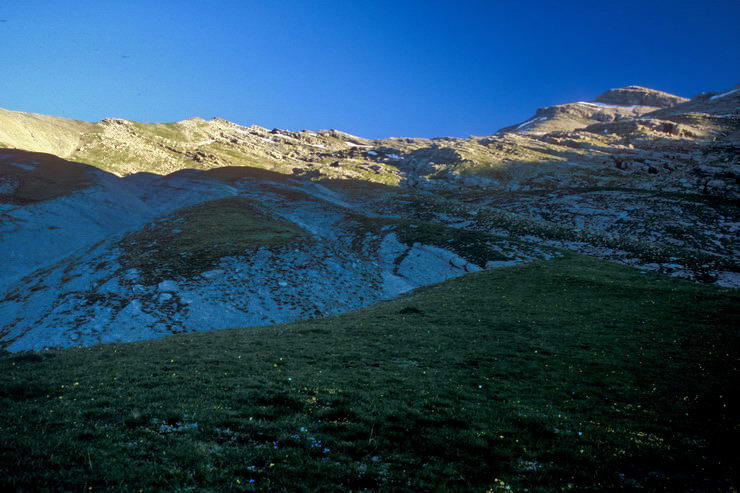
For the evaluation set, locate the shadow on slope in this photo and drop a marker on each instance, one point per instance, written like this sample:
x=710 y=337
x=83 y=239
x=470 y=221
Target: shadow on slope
x=29 y=177
x=231 y=174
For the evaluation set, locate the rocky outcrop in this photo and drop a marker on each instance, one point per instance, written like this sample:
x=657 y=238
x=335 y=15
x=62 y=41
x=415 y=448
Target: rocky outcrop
x=639 y=96
x=613 y=105
x=722 y=105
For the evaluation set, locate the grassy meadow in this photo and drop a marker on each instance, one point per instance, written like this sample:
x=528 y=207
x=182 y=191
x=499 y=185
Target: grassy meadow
x=567 y=375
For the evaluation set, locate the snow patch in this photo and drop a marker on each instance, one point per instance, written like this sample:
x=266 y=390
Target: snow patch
x=604 y=105
x=718 y=96
x=205 y=142
x=426 y=264
x=533 y=120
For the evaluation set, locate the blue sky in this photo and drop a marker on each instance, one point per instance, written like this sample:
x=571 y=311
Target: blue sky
x=372 y=68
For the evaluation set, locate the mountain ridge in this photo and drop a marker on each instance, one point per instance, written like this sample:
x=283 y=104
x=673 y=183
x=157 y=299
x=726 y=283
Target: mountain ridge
x=639 y=96
x=693 y=132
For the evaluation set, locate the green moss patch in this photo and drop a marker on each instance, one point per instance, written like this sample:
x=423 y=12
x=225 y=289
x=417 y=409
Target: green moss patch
x=193 y=239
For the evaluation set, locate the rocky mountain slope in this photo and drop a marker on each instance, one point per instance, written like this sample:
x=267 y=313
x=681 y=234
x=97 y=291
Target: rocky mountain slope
x=614 y=104
x=136 y=258
x=122 y=231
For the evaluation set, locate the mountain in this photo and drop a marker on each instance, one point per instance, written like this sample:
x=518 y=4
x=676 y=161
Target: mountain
x=550 y=307
x=614 y=104
x=123 y=231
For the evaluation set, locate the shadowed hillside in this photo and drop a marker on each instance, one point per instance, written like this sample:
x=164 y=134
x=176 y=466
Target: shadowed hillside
x=568 y=374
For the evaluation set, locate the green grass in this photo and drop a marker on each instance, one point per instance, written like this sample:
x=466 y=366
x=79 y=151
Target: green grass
x=194 y=239
x=173 y=131
x=101 y=151
x=572 y=374
x=238 y=157
x=41 y=133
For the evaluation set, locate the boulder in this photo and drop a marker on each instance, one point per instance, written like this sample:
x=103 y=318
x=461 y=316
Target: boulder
x=212 y=274
x=168 y=286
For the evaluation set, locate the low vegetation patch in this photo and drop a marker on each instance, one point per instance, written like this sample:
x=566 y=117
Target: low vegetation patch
x=572 y=374
x=475 y=247
x=174 y=131
x=195 y=238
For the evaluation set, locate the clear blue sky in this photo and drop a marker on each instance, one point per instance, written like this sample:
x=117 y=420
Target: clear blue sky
x=373 y=68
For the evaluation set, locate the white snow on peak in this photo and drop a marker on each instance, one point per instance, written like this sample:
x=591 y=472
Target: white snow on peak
x=372 y=153
x=205 y=142
x=724 y=94
x=533 y=120
x=604 y=105
x=352 y=144
x=393 y=156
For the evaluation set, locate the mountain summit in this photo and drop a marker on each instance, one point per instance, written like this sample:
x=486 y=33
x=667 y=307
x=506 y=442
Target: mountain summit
x=615 y=104
x=639 y=96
